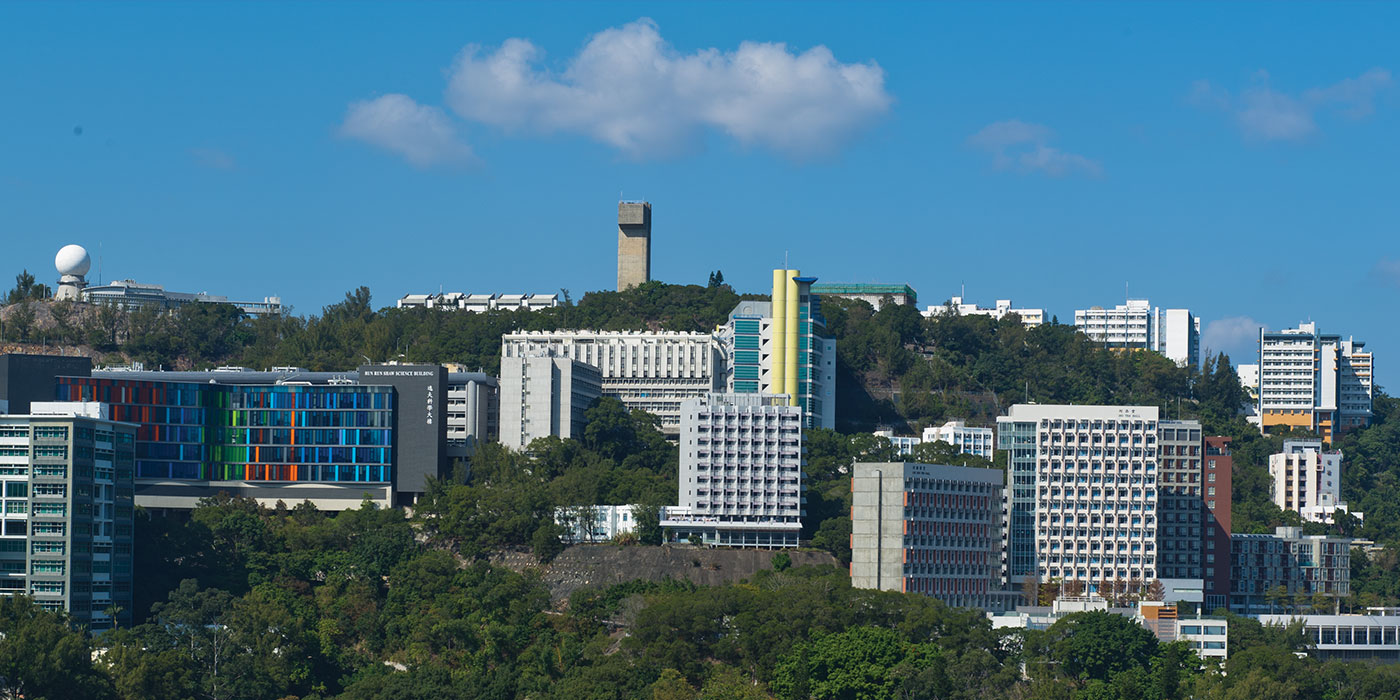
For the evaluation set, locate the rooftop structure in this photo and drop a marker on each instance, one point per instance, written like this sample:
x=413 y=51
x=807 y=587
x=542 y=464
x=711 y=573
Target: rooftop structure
x=131 y=295
x=956 y=306
x=479 y=303
x=873 y=294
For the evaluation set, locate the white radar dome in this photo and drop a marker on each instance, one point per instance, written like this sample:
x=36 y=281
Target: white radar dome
x=72 y=260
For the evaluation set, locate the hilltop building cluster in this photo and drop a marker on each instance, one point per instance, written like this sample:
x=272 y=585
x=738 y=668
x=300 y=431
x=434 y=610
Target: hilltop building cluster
x=1114 y=504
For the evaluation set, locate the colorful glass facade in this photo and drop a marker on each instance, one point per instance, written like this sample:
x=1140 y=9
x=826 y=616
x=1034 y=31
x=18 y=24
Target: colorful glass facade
x=223 y=432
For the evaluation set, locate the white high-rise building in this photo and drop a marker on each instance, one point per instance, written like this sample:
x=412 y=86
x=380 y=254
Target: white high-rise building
x=1307 y=480
x=652 y=371
x=1029 y=317
x=1137 y=325
x=1082 y=492
x=543 y=396
x=1313 y=381
x=740 y=471
x=973 y=441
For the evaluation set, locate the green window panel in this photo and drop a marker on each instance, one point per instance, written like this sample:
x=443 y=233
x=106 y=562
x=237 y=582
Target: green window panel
x=746 y=387
x=746 y=326
x=802 y=373
x=749 y=342
x=745 y=357
x=746 y=372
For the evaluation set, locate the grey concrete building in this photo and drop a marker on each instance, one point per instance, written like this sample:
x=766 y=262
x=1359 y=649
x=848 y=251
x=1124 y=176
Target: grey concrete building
x=66 y=477
x=633 y=244
x=931 y=529
x=543 y=395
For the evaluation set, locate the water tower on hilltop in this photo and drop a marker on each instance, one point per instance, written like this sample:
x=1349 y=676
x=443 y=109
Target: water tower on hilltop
x=73 y=263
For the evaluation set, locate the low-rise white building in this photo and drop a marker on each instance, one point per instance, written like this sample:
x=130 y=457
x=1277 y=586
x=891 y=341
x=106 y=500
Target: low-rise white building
x=1374 y=636
x=1029 y=317
x=969 y=440
x=903 y=444
x=1207 y=636
x=595 y=523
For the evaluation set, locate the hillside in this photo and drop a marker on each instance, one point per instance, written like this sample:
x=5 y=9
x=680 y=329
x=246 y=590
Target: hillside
x=600 y=565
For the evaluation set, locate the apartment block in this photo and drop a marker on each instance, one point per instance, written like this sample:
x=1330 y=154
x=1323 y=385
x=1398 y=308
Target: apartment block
x=1273 y=572
x=66 y=478
x=782 y=347
x=1313 y=381
x=1307 y=480
x=930 y=529
x=543 y=396
x=652 y=371
x=1137 y=325
x=740 y=472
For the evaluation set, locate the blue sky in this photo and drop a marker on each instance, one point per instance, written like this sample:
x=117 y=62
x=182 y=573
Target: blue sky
x=1239 y=160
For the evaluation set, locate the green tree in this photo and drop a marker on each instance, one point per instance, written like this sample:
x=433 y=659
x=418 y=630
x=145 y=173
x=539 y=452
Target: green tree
x=1097 y=645
x=857 y=663
x=42 y=656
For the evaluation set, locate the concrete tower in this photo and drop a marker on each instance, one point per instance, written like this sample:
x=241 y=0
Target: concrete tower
x=633 y=244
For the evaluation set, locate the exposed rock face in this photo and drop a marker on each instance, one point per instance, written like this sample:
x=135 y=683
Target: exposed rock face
x=606 y=565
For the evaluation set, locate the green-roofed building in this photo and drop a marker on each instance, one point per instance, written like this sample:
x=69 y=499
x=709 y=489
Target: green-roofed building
x=873 y=294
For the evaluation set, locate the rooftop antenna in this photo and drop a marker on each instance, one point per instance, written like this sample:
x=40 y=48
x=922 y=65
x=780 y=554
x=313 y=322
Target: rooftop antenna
x=785 y=260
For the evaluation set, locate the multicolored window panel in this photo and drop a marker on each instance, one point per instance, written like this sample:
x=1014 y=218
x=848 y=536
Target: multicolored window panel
x=229 y=432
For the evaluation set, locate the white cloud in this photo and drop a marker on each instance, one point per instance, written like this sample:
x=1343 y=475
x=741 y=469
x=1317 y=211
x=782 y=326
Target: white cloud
x=1386 y=271
x=630 y=89
x=1265 y=114
x=213 y=158
x=1024 y=147
x=423 y=135
x=1237 y=336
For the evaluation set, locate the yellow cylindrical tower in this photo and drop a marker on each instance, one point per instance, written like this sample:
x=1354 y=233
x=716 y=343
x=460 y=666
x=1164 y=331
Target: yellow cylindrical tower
x=778 y=355
x=793 y=326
